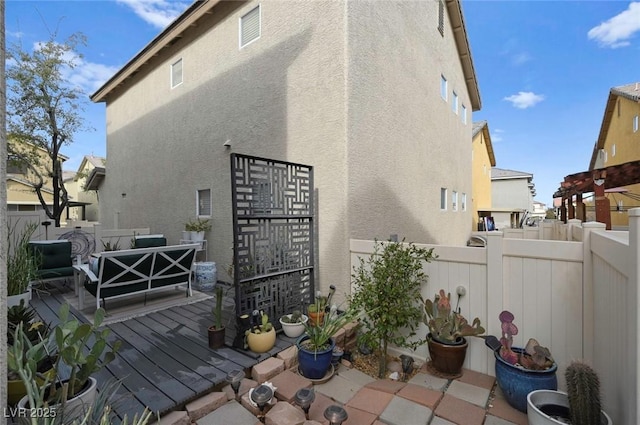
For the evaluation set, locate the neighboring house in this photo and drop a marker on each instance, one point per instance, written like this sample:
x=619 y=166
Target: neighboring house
x=483 y=159
x=619 y=142
x=376 y=96
x=88 y=171
x=512 y=195
x=21 y=194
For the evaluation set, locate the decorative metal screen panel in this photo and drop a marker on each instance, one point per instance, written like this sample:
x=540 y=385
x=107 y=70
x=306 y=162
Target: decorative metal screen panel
x=273 y=255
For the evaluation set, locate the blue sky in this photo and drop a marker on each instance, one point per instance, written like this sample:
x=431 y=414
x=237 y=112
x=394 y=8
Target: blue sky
x=544 y=68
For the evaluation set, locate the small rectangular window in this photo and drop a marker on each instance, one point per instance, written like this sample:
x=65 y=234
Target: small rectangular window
x=250 y=26
x=443 y=87
x=613 y=151
x=463 y=114
x=454 y=103
x=204 y=202
x=454 y=201
x=635 y=123
x=441 y=17
x=463 y=202
x=176 y=73
x=443 y=199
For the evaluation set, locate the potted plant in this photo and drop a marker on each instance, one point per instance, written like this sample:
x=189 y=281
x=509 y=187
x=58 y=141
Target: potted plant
x=447 y=330
x=521 y=370
x=22 y=265
x=580 y=405
x=262 y=336
x=81 y=348
x=317 y=309
x=197 y=229
x=387 y=286
x=216 y=332
x=315 y=346
x=293 y=324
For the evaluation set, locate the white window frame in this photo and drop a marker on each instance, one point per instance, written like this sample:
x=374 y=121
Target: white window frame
x=454 y=200
x=463 y=114
x=443 y=199
x=636 y=123
x=463 y=202
x=613 y=150
x=259 y=27
x=171 y=68
x=199 y=212
x=443 y=87
x=454 y=103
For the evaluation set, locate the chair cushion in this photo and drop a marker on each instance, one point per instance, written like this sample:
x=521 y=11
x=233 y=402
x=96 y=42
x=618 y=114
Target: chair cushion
x=53 y=255
x=150 y=242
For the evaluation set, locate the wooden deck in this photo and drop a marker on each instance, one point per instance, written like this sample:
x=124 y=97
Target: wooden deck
x=165 y=361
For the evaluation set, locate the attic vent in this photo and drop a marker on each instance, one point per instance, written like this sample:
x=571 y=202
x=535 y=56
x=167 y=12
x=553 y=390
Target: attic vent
x=250 y=27
x=441 y=17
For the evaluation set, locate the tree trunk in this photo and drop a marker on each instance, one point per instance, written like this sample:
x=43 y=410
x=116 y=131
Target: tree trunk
x=382 y=360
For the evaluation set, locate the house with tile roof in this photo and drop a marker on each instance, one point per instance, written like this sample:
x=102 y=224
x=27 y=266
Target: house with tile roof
x=483 y=159
x=376 y=96
x=512 y=194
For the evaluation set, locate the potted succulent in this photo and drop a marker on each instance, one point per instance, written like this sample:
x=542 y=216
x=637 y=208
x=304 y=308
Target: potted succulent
x=81 y=348
x=317 y=309
x=22 y=265
x=521 y=370
x=197 y=229
x=262 y=336
x=315 y=346
x=447 y=330
x=216 y=332
x=580 y=405
x=293 y=324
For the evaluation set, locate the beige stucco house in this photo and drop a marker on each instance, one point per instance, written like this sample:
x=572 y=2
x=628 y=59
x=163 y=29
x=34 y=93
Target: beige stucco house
x=483 y=160
x=376 y=96
x=512 y=195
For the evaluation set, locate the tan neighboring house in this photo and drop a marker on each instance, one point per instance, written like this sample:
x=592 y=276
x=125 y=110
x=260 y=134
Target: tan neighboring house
x=619 y=142
x=86 y=179
x=376 y=96
x=483 y=161
x=512 y=195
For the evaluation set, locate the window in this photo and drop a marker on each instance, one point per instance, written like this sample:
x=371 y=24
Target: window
x=454 y=103
x=443 y=199
x=443 y=87
x=463 y=202
x=250 y=26
x=441 y=17
x=176 y=73
x=204 y=203
x=613 y=150
x=606 y=156
x=635 y=123
x=454 y=201
x=463 y=114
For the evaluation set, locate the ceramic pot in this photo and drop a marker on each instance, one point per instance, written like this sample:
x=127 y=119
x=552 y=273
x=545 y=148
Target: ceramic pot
x=262 y=342
x=547 y=407
x=13 y=300
x=314 y=364
x=293 y=330
x=216 y=337
x=516 y=382
x=197 y=236
x=447 y=358
x=76 y=406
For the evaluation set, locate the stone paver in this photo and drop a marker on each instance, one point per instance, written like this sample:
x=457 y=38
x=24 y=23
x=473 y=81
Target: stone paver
x=316 y=412
x=476 y=378
x=178 y=417
x=421 y=395
x=267 y=369
x=500 y=407
x=288 y=383
x=470 y=393
x=354 y=375
x=206 y=404
x=387 y=385
x=493 y=420
x=371 y=400
x=231 y=413
x=289 y=357
x=339 y=389
x=245 y=386
x=401 y=411
x=429 y=381
x=460 y=411
x=359 y=417
x=437 y=420
x=284 y=414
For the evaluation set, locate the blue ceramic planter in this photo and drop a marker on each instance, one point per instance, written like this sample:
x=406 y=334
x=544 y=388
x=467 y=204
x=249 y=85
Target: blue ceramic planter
x=314 y=365
x=516 y=383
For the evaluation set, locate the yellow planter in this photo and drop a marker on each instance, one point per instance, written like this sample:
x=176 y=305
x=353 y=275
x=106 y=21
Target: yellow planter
x=262 y=342
x=16 y=389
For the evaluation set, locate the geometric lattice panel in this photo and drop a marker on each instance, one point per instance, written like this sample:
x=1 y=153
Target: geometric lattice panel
x=273 y=235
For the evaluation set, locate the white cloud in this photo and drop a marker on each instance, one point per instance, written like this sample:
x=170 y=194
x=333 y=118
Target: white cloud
x=524 y=99
x=158 y=13
x=496 y=135
x=617 y=31
x=520 y=58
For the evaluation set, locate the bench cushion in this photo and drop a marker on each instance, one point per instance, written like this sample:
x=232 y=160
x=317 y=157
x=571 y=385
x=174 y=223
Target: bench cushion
x=55 y=258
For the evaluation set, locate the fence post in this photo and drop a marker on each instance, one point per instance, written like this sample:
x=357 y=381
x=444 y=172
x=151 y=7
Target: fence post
x=588 y=310
x=633 y=301
x=495 y=287
x=571 y=224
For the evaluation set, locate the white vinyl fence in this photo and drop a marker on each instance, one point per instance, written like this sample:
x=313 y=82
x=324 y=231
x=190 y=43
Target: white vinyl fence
x=578 y=297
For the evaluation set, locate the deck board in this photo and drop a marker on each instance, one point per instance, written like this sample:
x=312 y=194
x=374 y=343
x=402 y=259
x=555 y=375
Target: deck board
x=165 y=361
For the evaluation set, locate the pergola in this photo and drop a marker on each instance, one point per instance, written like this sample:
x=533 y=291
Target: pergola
x=596 y=181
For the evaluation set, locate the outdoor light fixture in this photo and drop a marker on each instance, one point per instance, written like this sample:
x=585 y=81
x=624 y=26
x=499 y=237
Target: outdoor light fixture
x=335 y=415
x=234 y=378
x=598 y=177
x=262 y=396
x=303 y=398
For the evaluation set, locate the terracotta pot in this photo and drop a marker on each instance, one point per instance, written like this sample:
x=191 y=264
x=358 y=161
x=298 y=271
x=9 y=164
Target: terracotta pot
x=216 y=337
x=316 y=318
x=447 y=358
x=262 y=342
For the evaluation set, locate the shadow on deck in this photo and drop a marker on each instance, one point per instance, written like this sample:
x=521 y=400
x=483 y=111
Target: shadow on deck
x=165 y=361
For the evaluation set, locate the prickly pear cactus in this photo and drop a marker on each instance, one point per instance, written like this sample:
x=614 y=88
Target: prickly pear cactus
x=583 y=388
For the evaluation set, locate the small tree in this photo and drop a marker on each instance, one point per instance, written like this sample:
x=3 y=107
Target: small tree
x=387 y=285
x=44 y=112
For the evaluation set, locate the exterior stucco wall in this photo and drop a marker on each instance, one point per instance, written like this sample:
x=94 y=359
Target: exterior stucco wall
x=280 y=97
x=511 y=193
x=404 y=140
x=481 y=174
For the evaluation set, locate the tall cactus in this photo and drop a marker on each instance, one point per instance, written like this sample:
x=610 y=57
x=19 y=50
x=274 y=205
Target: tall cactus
x=583 y=388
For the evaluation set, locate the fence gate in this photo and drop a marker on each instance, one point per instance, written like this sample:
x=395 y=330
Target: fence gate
x=273 y=238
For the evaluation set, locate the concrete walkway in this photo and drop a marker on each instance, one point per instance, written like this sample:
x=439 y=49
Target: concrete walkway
x=473 y=399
